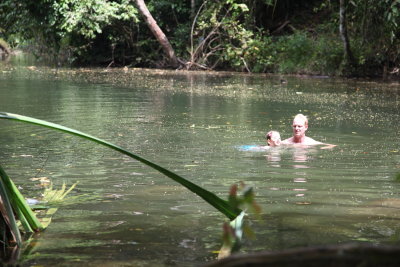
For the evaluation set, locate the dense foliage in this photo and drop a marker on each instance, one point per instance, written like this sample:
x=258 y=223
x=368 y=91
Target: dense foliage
x=287 y=36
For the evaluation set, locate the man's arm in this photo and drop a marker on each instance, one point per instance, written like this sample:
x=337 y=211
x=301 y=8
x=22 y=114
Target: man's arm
x=328 y=146
x=314 y=142
x=310 y=141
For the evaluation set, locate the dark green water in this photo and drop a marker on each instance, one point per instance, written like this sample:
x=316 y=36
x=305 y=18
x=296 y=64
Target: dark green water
x=192 y=123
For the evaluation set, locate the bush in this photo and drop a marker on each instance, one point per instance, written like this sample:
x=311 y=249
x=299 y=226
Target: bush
x=327 y=56
x=260 y=54
x=303 y=53
x=294 y=53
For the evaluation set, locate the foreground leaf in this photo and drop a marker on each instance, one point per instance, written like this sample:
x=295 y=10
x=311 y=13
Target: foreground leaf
x=18 y=202
x=218 y=203
x=8 y=213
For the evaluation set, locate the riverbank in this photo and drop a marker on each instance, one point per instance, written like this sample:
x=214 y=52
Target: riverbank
x=282 y=37
x=46 y=70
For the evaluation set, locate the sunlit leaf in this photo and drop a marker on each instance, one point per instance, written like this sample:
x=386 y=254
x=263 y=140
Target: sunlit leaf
x=218 y=203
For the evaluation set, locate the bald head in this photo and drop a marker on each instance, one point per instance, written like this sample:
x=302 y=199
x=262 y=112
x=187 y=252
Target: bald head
x=301 y=117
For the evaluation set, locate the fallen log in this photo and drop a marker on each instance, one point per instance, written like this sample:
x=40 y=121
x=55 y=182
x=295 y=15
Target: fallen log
x=335 y=255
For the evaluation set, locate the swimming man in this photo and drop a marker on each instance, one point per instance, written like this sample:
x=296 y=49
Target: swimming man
x=300 y=126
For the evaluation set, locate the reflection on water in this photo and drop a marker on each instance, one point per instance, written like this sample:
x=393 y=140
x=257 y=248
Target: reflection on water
x=274 y=156
x=299 y=155
x=192 y=123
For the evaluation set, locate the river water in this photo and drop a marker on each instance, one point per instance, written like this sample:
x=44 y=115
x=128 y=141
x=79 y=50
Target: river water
x=123 y=213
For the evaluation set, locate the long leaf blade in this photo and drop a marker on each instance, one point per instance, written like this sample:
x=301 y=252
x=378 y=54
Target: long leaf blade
x=7 y=211
x=20 y=202
x=218 y=203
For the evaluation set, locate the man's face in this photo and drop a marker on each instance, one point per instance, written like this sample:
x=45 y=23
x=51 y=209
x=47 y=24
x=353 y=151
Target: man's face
x=299 y=127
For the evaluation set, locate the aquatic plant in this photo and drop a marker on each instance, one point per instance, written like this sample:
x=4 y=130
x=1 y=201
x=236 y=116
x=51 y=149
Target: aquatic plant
x=50 y=197
x=12 y=200
x=19 y=203
x=10 y=231
x=234 y=231
x=18 y=219
x=222 y=205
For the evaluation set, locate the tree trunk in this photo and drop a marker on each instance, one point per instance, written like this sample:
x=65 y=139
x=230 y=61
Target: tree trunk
x=192 y=9
x=158 y=33
x=4 y=49
x=348 y=61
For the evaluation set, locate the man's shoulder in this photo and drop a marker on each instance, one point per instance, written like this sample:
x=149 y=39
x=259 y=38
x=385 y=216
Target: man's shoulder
x=310 y=141
x=288 y=141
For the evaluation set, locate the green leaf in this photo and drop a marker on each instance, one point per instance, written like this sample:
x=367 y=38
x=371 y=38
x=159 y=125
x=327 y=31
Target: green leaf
x=18 y=202
x=218 y=203
x=7 y=210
